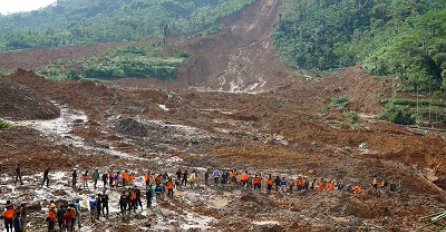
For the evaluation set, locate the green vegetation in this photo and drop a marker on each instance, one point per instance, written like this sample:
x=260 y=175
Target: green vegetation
x=399 y=115
x=388 y=37
x=435 y=220
x=72 y=22
x=265 y=114
x=414 y=102
x=340 y=102
x=4 y=125
x=140 y=62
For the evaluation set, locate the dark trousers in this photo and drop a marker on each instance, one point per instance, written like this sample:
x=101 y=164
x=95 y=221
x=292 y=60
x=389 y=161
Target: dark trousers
x=123 y=209
x=47 y=180
x=149 y=201
x=184 y=181
x=18 y=178
x=105 y=209
x=8 y=224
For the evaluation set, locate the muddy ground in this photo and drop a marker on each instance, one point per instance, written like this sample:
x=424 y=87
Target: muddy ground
x=218 y=114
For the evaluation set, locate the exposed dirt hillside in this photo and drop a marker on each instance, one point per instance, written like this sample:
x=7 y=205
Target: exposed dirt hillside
x=20 y=102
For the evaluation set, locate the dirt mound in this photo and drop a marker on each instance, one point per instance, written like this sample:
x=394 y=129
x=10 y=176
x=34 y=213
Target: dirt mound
x=22 y=103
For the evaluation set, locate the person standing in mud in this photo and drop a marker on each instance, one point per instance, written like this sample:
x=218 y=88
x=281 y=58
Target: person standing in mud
x=147 y=178
x=98 y=206
x=51 y=218
x=138 y=197
x=179 y=176
x=269 y=184
x=85 y=179
x=105 y=179
x=46 y=178
x=123 y=203
x=185 y=175
x=60 y=217
x=74 y=178
x=77 y=206
x=206 y=176
x=104 y=202
x=149 y=195
x=111 y=178
x=216 y=176
x=95 y=178
x=18 y=174
x=23 y=211
x=8 y=216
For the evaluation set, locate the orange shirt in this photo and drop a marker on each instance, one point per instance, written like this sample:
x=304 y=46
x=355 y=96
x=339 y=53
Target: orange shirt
x=131 y=177
x=52 y=216
x=270 y=182
x=300 y=182
x=320 y=187
x=170 y=185
x=9 y=214
x=125 y=176
x=234 y=174
x=111 y=175
x=257 y=180
x=330 y=186
x=158 y=179
x=357 y=189
x=244 y=177
x=147 y=177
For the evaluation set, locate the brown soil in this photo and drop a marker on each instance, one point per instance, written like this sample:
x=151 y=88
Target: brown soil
x=281 y=131
x=19 y=102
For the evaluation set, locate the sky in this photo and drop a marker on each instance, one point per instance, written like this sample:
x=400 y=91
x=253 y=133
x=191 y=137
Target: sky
x=13 y=6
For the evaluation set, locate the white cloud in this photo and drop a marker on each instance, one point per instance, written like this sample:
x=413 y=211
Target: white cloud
x=12 y=6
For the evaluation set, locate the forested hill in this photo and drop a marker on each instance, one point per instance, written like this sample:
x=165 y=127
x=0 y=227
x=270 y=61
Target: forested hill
x=71 y=22
x=403 y=38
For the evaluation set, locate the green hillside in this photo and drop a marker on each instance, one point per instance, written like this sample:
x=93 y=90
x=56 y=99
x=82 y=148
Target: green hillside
x=402 y=38
x=71 y=22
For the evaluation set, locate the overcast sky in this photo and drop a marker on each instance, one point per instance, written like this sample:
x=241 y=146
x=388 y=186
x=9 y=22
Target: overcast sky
x=12 y=6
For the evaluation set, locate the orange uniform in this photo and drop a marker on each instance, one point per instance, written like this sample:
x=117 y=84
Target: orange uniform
x=111 y=175
x=131 y=178
x=147 y=177
x=320 y=186
x=357 y=189
x=270 y=182
x=300 y=182
x=9 y=214
x=125 y=176
x=52 y=216
x=234 y=174
x=244 y=177
x=170 y=185
x=257 y=180
x=330 y=186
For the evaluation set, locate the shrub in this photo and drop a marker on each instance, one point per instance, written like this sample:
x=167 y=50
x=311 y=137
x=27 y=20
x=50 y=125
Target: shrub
x=341 y=102
x=398 y=115
x=353 y=117
x=4 y=125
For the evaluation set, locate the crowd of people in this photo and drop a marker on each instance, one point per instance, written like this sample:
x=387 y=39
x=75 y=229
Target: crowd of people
x=160 y=186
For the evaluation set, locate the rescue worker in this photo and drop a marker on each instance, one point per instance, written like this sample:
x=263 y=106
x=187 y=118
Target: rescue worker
x=147 y=178
x=67 y=220
x=124 y=178
x=320 y=186
x=185 y=175
x=117 y=178
x=244 y=179
x=111 y=178
x=330 y=186
x=300 y=183
x=179 y=174
x=357 y=189
x=138 y=197
x=170 y=186
x=158 y=179
x=234 y=176
x=51 y=218
x=8 y=216
x=269 y=184
x=133 y=201
x=131 y=179
x=257 y=182
x=85 y=178
x=375 y=182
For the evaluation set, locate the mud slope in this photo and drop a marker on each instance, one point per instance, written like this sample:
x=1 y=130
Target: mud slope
x=20 y=102
x=241 y=58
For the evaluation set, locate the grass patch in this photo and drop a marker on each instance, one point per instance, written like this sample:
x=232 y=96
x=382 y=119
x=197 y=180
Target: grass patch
x=340 y=102
x=4 y=125
x=413 y=102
